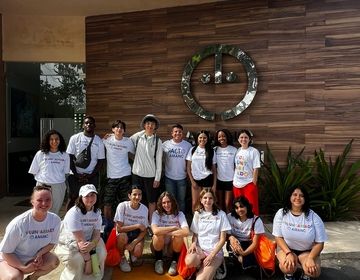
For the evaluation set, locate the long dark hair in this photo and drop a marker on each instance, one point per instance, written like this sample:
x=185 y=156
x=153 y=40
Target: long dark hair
x=45 y=142
x=287 y=203
x=200 y=207
x=243 y=201
x=174 y=206
x=209 y=151
x=80 y=204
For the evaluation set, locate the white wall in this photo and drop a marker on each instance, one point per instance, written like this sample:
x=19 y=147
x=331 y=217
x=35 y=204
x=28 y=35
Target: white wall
x=34 y=38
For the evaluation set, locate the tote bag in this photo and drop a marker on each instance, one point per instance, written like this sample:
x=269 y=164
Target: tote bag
x=265 y=252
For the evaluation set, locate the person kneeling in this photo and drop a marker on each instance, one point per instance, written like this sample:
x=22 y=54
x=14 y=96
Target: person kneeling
x=169 y=226
x=240 y=245
x=131 y=220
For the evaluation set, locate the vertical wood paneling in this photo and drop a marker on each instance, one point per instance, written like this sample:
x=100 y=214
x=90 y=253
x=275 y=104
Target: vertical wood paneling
x=3 y=142
x=307 y=57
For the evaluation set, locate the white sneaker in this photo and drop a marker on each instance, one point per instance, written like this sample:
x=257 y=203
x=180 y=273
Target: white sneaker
x=159 y=267
x=124 y=265
x=173 y=268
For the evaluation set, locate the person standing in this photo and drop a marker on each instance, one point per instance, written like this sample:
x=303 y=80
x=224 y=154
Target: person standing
x=84 y=172
x=148 y=160
x=29 y=239
x=50 y=166
x=247 y=165
x=299 y=234
x=225 y=165
x=201 y=166
x=117 y=148
x=175 y=151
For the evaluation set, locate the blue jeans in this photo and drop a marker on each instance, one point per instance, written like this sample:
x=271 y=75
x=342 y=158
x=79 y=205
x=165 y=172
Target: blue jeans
x=178 y=189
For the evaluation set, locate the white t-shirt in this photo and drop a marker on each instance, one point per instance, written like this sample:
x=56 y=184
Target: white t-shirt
x=50 y=168
x=117 y=156
x=225 y=162
x=79 y=142
x=241 y=230
x=199 y=170
x=129 y=216
x=175 y=158
x=144 y=161
x=208 y=228
x=74 y=220
x=246 y=161
x=169 y=220
x=24 y=236
x=299 y=232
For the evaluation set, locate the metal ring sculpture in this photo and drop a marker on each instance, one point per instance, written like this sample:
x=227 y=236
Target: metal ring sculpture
x=218 y=50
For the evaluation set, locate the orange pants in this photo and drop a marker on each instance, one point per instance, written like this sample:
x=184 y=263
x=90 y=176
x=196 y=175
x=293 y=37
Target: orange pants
x=250 y=191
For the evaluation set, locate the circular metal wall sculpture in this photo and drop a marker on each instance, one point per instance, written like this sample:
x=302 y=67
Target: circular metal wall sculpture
x=231 y=77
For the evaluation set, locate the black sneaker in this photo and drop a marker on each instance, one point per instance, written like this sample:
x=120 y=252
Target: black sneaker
x=150 y=232
x=221 y=271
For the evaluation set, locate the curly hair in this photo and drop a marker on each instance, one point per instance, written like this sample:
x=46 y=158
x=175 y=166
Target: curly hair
x=287 y=200
x=174 y=206
x=45 y=142
x=200 y=206
x=229 y=138
x=244 y=202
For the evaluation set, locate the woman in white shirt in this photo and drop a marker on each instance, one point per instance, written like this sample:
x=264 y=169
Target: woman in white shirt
x=247 y=165
x=240 y=244
x=209 y=227
x=29 y=238
x=80 y=238
x=201 y=167
x=169 y=226
x=50 y=165
x=300 y=235
x=225 y=165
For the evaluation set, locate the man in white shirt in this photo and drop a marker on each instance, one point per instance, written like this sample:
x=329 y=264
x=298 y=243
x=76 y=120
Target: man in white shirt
x=86 y=174
x=175 y=151
x=117 y=148
x=148 y=161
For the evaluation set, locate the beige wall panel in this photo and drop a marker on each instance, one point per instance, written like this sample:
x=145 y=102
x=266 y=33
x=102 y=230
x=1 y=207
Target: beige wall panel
x=43 y=38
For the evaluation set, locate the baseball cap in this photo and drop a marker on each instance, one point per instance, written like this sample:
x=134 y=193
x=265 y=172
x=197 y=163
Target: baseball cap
x=86 y=189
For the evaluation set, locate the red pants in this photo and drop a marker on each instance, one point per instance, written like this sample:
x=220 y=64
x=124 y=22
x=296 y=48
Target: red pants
x=251 y=193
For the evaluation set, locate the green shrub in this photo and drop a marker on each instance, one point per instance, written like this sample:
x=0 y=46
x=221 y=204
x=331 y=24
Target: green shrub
x=338 y=186
x=275 y=180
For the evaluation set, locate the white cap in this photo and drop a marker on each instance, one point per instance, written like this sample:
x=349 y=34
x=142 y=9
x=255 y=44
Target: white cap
x=86 y=189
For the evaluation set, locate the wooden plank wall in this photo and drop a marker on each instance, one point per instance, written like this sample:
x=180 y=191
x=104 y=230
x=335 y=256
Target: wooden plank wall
x=3 y=142
x=306 y=53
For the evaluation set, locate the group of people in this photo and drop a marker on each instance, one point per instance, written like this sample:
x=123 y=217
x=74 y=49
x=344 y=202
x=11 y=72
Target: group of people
x=224 y=206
